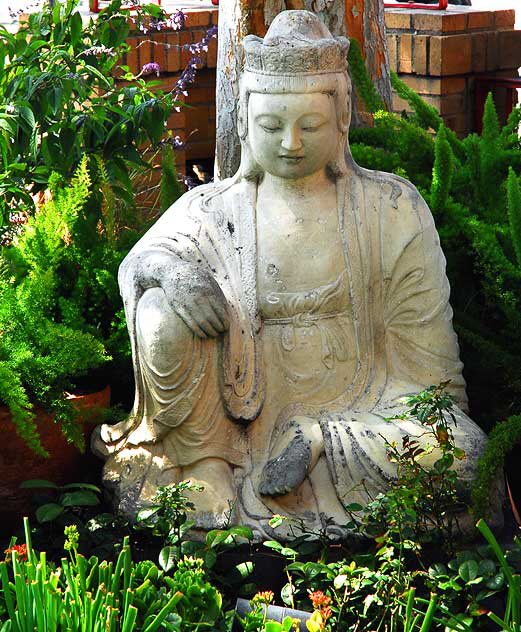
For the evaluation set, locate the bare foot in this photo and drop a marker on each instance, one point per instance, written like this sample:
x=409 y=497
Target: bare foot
x=214 y=505
x=297 y=451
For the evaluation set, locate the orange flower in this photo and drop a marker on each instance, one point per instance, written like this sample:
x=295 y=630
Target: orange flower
x=319 y=599
x=20 y=550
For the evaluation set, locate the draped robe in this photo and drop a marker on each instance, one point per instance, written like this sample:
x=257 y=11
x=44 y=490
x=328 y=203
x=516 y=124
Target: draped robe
x=398 y=298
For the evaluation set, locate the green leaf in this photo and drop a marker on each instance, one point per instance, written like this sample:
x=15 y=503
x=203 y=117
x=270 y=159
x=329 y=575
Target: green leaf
x=272 y=626
x=273 y=544
x=468 y=570
x=147 y=512
x=496 y=583
x=80 y=498
x=48 y=512
x=276 y=520
x=487 y=568
x=245 y=569
x=167 y=558
x=90 y=486
x=38 y=483
x=76 y=27
x=287 y=594
x=242 y=532
x=287 y=552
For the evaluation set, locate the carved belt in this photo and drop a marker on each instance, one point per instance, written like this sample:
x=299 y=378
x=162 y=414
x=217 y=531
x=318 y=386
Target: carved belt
x=304 y=319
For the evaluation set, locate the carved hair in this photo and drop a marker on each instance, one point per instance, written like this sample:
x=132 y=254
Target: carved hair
x=297 y=56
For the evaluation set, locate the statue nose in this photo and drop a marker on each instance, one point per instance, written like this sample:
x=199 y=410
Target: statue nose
x=291 y=140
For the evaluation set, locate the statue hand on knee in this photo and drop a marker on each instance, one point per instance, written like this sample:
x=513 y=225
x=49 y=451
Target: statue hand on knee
x=190 y=290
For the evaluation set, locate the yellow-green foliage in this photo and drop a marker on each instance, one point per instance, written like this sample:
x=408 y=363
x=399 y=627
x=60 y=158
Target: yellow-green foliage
x=40 y=354
x=472 y=186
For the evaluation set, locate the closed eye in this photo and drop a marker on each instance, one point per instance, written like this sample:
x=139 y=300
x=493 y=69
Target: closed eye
x=270 y=129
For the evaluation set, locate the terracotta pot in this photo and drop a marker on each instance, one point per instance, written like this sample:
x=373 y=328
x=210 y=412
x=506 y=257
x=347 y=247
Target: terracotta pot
x=65 y=465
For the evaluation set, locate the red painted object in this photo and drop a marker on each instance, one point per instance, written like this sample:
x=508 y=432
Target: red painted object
x=95 y=8
x=485 y=84
x=442 y=5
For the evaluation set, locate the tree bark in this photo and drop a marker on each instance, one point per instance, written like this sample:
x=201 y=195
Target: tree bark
x=362 y=19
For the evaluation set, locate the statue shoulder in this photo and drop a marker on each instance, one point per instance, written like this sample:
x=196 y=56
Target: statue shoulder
x=402 y=206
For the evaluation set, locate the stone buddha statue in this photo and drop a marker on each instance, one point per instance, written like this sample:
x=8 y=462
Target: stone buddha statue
x=278 y=318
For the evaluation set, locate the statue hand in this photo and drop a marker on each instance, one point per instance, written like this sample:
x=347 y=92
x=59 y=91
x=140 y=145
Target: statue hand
x=196 y=297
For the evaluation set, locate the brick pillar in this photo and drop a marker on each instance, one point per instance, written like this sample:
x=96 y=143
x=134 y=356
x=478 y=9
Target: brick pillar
x=439 y=53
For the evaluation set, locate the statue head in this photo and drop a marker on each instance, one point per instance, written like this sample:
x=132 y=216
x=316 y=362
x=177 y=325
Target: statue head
x=300 y=70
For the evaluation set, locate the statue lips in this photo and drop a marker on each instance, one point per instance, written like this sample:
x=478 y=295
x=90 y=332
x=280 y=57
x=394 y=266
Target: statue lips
x=291 y=159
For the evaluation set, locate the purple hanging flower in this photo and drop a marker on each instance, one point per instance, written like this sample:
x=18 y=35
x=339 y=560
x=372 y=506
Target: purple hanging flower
x=151 y=68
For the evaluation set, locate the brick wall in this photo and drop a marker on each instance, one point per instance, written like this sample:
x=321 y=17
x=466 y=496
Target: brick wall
x=195 y=124
x=440 y=53
x=437 y=53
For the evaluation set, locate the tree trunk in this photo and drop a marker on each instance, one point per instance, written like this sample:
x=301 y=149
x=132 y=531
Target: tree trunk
x=362 y=19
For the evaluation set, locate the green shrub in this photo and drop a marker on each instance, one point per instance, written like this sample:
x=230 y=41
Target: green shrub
x=59 y=100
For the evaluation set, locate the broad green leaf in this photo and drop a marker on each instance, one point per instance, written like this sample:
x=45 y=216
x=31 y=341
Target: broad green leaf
x=273 y=544
x=48 y=512
x=80 y=498
x=167 y=558
x=147 y=512
x=38 y=483
x=287 y=594
x=76 y=27
x=468 y=570
x=245 y=569
x=90 y=486
x=497 y=582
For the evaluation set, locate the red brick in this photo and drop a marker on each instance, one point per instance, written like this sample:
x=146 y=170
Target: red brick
x=405 y=53
x=421 y=56
x=479 y=52
x=450 y=55
x=458 y=123
x=185 y=38
x=196 y=17
x=159 y=51
x=448 y=104
x=200 y=150
x=392 y=50
x=440 y=22
x=211 y=56
x=144 y=51
x=492 y=51
x=399 y=104
x=215 y=16
x=173 y=54
x=480 y=19
x=177 y=120
x=505 y=18
x=397 y=19
x=132 y=55
x=435 y=85
x=509 y=49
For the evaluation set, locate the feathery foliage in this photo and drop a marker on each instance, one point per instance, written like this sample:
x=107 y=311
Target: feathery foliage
x=61 y=318
x=170 y=189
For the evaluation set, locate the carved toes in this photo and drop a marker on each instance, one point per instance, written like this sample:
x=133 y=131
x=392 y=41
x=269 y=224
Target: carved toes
x=287 y=471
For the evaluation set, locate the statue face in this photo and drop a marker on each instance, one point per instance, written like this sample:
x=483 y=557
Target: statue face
x=292 y=135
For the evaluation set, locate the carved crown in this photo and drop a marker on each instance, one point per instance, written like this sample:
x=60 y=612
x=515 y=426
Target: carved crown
x=297 y=42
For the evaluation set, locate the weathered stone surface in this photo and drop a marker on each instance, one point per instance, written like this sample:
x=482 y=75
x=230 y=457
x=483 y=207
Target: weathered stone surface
x=279 y=317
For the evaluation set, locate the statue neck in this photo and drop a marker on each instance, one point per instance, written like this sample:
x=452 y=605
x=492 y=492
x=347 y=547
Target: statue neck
x=310 y=186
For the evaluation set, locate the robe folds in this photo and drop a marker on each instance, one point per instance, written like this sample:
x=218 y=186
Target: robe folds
x=402 y=341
